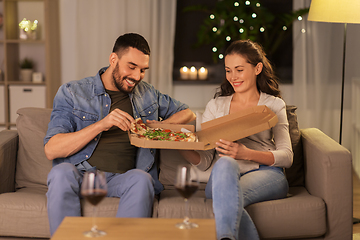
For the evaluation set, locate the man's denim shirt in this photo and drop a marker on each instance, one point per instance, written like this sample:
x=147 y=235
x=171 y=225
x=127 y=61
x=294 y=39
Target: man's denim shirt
x=79 y=104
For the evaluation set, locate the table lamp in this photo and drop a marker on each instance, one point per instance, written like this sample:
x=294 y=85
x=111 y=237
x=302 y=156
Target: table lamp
x=335 y=11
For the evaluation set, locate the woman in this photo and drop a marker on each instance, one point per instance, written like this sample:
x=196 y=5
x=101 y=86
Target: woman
x=249 y=170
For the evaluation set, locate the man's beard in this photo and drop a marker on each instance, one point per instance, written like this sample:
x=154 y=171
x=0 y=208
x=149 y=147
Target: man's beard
x=119 y=81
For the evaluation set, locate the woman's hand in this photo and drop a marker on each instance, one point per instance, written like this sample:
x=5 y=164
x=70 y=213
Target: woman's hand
x=231 y=149
x=241 y=152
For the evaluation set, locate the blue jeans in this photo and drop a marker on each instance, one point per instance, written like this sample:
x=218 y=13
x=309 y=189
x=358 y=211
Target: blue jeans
x=135 y=188
x=232 y=192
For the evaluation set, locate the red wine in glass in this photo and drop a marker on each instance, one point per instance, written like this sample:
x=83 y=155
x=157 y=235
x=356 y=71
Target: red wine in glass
x=94 y=189
x=94 y=196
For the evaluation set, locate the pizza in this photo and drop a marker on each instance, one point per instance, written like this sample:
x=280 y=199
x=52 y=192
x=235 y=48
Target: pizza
x=160 y=134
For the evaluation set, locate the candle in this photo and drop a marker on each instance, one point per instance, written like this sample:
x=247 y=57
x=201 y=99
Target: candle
x=203 y=72
x=184 y=73
x=193 y=73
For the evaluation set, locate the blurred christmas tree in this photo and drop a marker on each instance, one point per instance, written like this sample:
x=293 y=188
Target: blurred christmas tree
x=232 y=20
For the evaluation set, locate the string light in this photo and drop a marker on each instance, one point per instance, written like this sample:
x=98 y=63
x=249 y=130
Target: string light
x=249 y=29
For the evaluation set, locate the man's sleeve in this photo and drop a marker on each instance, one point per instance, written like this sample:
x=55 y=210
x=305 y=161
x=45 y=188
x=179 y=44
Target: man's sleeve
x=168 y=105
x=61 y=116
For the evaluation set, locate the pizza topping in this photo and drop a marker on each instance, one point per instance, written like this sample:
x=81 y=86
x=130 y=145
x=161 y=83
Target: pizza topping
x=143 y=131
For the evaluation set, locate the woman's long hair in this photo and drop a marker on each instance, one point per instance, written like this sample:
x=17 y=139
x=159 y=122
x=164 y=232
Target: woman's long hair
x=266 y=81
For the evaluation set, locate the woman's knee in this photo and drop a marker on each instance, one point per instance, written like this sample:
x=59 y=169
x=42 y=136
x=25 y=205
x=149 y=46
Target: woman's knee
x=225 y=164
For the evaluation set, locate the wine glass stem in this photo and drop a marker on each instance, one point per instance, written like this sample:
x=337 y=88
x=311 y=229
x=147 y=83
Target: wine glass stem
x=186 y=218
x=94 y=227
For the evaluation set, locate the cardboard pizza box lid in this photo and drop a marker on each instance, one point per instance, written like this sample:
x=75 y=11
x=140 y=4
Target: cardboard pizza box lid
x=237 y=125
x=230 y=127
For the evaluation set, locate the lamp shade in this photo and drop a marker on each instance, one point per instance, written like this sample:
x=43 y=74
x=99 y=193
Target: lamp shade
x=344 y=11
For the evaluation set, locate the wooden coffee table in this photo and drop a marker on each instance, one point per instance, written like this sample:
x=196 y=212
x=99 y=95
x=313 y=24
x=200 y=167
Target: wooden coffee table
x=135 y=228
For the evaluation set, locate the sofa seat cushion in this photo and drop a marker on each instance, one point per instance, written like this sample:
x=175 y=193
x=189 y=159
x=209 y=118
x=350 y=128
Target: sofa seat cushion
x=106 y=208
x=172 y=205
x=23 y=213
x=299 y=215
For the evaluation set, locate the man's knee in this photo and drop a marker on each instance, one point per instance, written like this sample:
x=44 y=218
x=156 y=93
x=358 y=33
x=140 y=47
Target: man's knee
x=141 y=177
x=62 y=173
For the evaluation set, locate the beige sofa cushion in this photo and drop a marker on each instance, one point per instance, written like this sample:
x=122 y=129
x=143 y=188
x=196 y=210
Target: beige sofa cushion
x=32 y=165
x=172 y=205
x=299 y=216
x=24 y=213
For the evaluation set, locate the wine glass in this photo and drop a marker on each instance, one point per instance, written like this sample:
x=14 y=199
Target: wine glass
x=187 y=183
x=94 y=189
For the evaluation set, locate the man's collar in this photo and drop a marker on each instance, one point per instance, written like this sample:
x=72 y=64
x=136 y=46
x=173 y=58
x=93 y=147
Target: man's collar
x=99 y=86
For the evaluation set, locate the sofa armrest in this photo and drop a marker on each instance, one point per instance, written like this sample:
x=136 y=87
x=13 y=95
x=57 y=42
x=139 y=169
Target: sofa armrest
x=8 y=153
x=328 y=175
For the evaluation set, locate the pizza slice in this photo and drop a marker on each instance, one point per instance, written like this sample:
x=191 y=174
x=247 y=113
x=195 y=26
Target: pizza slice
x=138 y=127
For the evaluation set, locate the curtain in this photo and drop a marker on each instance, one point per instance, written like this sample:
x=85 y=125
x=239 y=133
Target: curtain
x=317 y=74
x=89 y=29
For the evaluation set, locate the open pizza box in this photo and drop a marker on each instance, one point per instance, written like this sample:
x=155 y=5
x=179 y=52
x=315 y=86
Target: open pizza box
x=230 y=127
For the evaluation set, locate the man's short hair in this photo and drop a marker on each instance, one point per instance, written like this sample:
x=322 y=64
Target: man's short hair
x=133 y=40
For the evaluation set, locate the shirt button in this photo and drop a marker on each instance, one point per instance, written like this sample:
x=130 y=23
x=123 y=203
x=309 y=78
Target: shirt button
x=149 y=111
x=106 y=105
x=95 y=139
x=83 y=117
x=87 y=156
x=105 y=95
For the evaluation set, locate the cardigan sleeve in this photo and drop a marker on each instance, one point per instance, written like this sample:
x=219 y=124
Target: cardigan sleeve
x=207 y=156
x=283 y=153
x=211 y=112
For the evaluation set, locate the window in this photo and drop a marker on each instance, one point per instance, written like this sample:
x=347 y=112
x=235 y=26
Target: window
x=186 y=54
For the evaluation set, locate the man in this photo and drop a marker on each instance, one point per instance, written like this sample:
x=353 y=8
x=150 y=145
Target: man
x=88 y=129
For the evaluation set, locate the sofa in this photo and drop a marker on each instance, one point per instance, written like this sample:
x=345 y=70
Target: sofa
x=318 y=205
